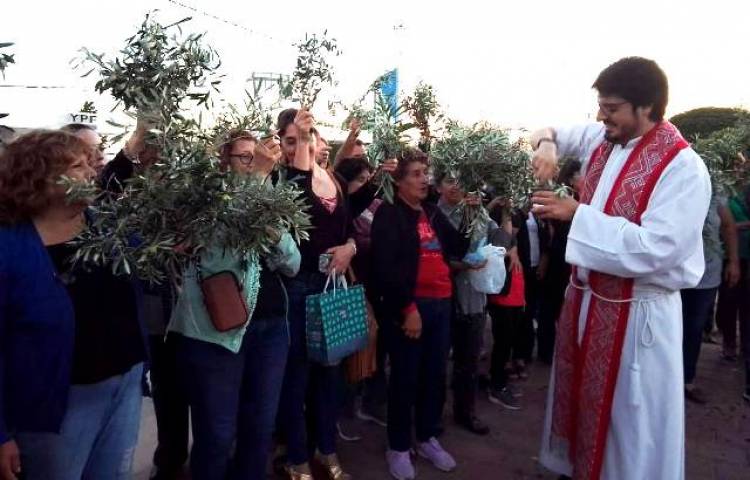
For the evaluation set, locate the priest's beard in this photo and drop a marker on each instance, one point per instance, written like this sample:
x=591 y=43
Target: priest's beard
x=619 y=132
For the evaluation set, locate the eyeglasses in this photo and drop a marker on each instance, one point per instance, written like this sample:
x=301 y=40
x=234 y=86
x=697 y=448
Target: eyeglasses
x=244 y=159
x=610 y=108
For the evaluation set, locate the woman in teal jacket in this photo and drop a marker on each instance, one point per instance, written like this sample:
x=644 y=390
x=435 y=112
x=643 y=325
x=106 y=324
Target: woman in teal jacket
x=233 y=379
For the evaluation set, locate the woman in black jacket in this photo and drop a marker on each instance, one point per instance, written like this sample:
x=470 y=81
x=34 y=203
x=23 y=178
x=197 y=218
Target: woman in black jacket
x=412 y=242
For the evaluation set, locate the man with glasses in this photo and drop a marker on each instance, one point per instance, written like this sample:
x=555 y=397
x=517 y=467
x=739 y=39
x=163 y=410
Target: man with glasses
x=616 y=404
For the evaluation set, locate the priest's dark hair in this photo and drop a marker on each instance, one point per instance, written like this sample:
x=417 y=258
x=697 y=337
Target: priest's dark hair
x=638 y=80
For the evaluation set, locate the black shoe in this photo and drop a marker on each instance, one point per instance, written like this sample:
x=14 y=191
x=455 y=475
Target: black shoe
x=375 y=413
x=505 y=398
x=473 y=424
x=347 y=432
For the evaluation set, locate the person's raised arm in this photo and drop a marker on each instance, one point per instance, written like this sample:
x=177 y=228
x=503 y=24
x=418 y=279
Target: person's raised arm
x=544 y=159
x=550 y=144
x=304 y=121
x=351 y=140
x=266 y=155
x=123 y=166
x=137 y=141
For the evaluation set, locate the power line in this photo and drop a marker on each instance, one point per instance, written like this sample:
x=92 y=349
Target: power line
x=228 y=22
x=34 y=86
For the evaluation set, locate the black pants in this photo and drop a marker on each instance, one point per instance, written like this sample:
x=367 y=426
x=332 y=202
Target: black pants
x=524 y=347
x=734 y=304
x=696 y=305
x=417 y=381
x=467 y=334
x=550 y=305
x=507 y=328
x=170 y=405
x=375 y=391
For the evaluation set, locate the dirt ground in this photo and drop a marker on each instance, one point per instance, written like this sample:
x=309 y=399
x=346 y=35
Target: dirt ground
x=718 y=434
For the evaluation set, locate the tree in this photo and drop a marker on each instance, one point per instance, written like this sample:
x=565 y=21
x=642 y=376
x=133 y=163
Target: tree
x=701 y=122
x=725 y=153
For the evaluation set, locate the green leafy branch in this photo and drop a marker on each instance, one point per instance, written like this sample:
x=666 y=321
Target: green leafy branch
x=5 y=58
x=156 y=71
x=175 y=212
x=256 y=115
x=389 y=139
x=424 y=109
x=313 y=70
x=481 y=157
x=88 y=107
x=167 y=214
x=78 y=191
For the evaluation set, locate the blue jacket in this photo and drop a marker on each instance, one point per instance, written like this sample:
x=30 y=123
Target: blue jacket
x=37 y=333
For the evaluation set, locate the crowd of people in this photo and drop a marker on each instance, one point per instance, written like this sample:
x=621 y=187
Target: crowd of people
x=593 y=286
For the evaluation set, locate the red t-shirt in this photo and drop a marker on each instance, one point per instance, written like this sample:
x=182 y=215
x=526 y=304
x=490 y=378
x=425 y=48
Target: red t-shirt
x=433 y=274
x=516 y=295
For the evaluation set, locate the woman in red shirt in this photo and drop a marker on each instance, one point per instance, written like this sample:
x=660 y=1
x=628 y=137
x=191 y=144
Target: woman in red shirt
x=411 y=244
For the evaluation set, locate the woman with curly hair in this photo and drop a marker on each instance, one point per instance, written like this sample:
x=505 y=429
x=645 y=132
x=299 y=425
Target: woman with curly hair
x=72 y=346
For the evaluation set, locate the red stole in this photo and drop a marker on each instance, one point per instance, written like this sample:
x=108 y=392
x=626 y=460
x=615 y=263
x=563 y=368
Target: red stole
x=586 y=374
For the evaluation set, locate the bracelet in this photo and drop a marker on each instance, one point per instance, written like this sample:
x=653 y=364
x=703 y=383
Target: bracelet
x=544 y=139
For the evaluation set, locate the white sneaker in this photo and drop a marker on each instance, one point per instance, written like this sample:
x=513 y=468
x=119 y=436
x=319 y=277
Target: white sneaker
x=433 y=451
x=399 y=465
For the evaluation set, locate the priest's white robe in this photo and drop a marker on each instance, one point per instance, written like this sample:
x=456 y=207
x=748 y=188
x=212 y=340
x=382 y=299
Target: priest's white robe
x=646 y=437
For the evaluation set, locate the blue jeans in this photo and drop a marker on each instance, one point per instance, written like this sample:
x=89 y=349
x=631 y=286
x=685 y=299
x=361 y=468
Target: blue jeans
x=234 y=397
x=696 y=307
x=418 y=374
x=323 y=404
x=98 y=435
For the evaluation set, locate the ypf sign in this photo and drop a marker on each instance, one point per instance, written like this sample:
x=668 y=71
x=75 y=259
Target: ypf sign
x=81 y=117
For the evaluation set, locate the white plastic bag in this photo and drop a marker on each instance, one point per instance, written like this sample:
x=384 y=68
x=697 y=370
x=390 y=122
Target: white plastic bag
x=490 y=278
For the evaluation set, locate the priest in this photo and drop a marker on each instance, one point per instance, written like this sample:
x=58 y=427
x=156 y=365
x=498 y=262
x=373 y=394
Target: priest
x=616 y=408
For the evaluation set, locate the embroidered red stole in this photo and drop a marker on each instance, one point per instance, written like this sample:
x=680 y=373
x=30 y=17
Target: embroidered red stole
x=586 y=374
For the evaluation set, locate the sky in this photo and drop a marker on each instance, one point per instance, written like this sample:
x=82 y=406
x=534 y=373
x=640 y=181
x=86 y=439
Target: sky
x=518 y=64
